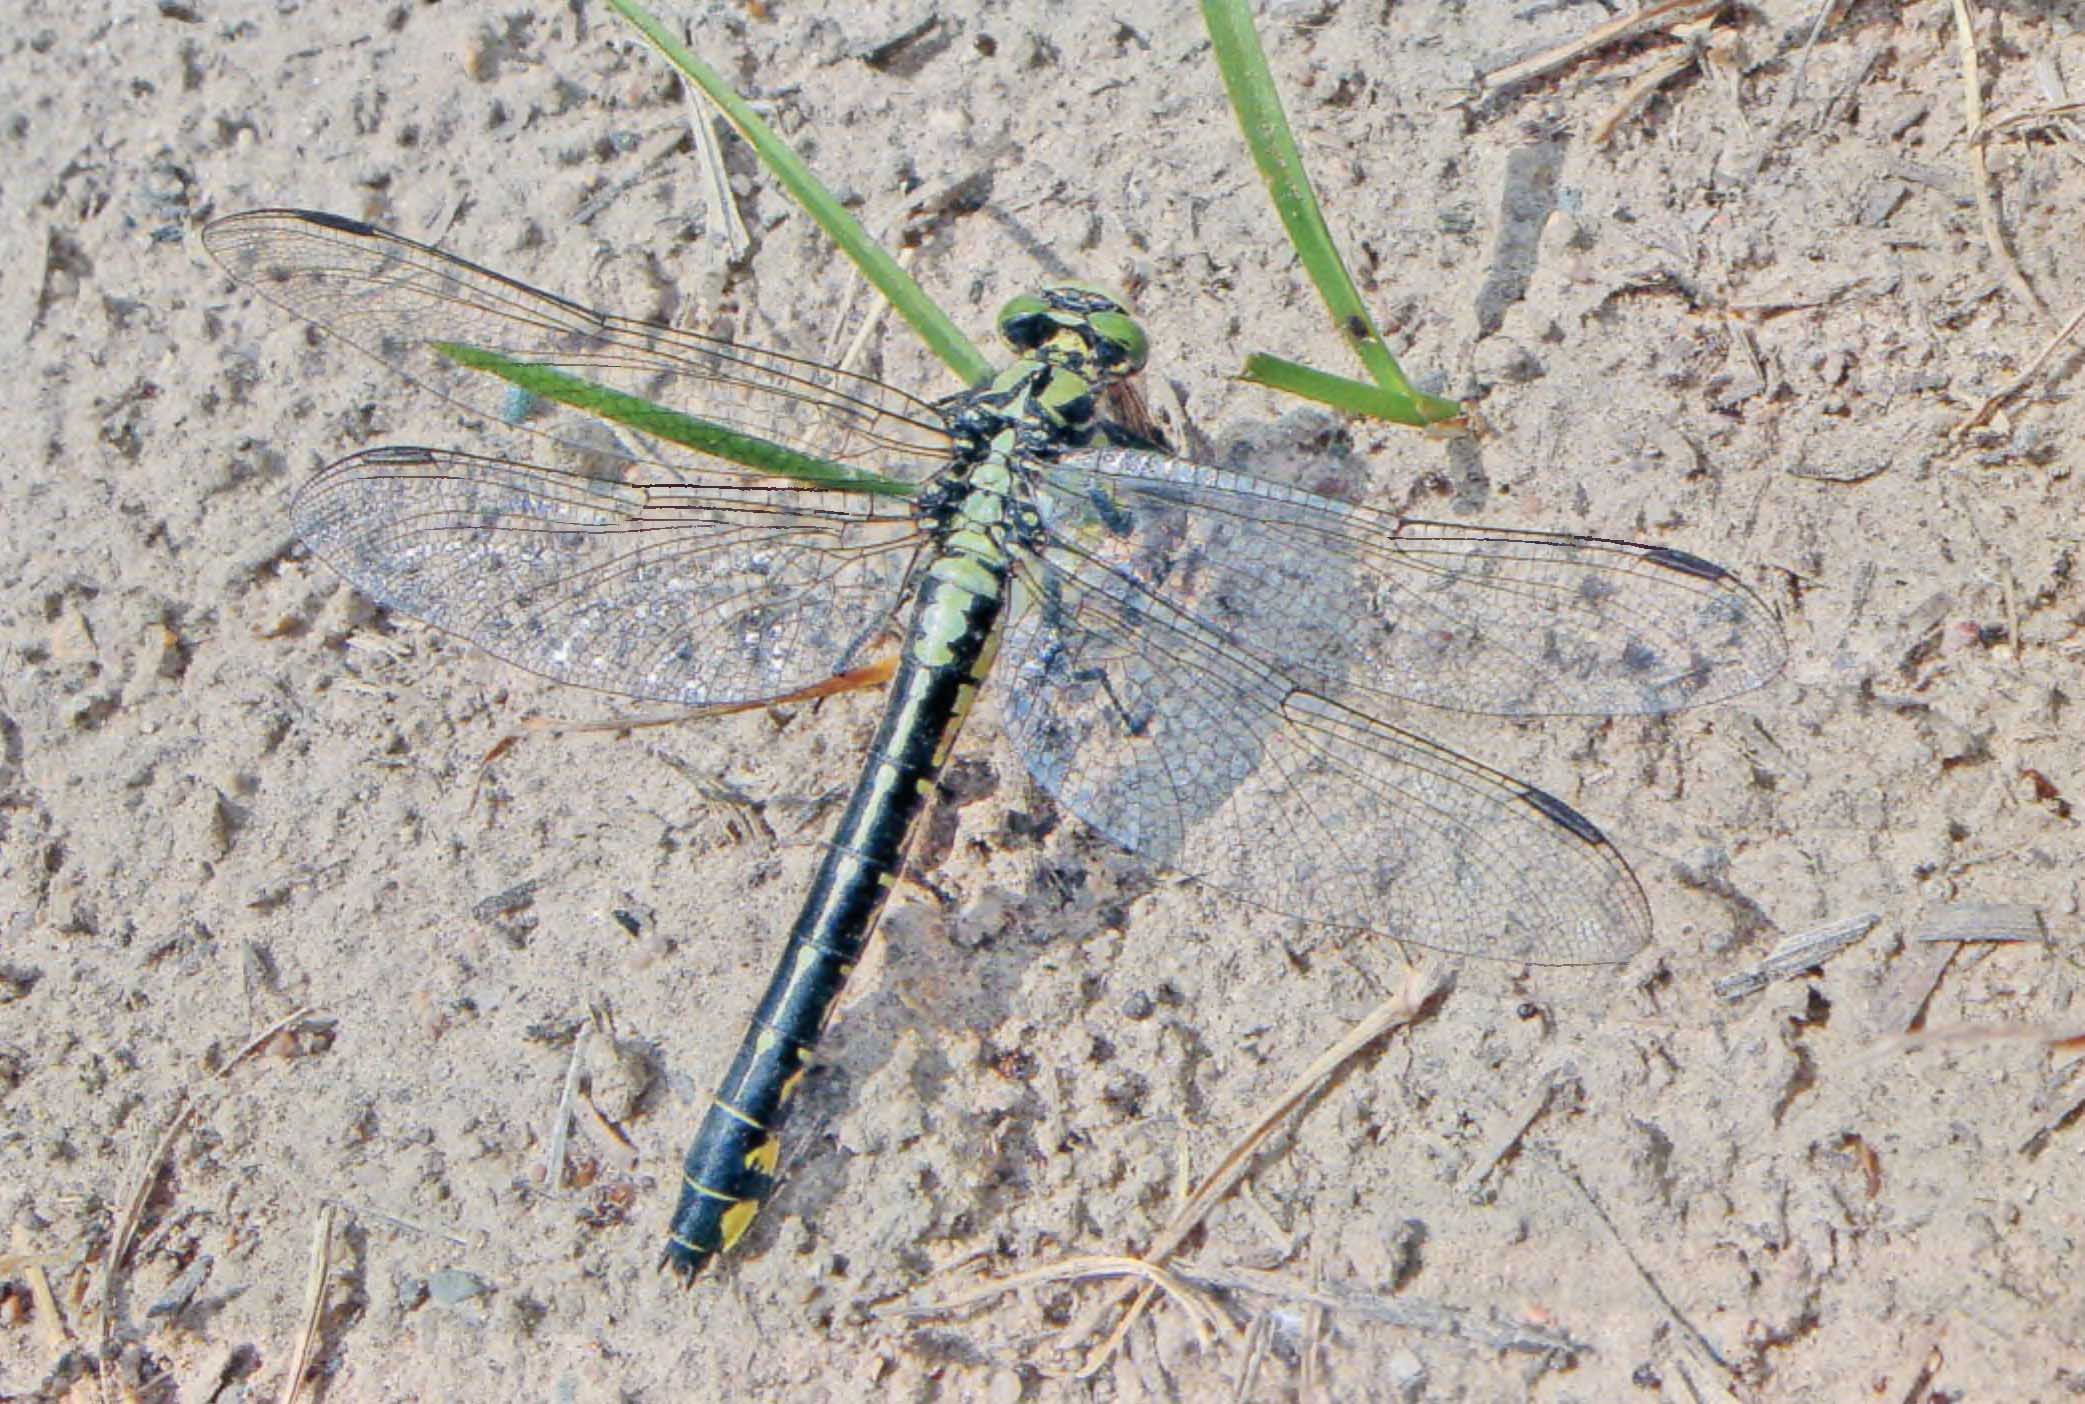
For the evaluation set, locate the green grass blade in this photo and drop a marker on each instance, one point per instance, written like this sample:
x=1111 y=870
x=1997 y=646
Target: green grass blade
x=702 y=435
x=942 y=336
x=1266 y=127
x=1345 y=395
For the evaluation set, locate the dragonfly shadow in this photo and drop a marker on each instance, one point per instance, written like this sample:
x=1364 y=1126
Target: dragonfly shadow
x=953 y=1007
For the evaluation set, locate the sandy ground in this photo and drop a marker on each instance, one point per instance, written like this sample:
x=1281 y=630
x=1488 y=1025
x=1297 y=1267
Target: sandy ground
x=1743 y=326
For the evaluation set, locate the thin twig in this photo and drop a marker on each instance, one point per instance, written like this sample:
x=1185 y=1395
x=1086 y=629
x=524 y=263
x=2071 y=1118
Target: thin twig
x=1639 y=92
x=364 y=1212
x=1314 y=1321
x=561 y=1127
x=2032 y=117
x=1352 y=1302
x=314 y=1302
x=134 y=1205
x=1617 y=31
x=2066 y=1116
x=260 y=1040
x=1700 y=1340
x=1533 y=1112
x=1979 y=169
x=1255 y=1354
x=31 y=1265
x=2019 y=382
x=1091 y=1266
x=1792 y=89
x=719 y=211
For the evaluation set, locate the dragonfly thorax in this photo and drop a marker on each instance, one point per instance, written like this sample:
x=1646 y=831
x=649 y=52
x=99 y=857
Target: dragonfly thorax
x=984 y=495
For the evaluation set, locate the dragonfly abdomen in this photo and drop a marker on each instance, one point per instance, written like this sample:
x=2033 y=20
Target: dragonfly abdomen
x=731 y=1167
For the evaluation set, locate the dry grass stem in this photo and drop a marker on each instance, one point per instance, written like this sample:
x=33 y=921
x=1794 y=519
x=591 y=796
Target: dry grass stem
x=561 y=1124
x=719 y=210
x=2006 y=393
x=1665 y=15
x=134 y=1208
x=1200 y=1308
x=32 y=1266
x=1979 y=170
x=2059 y=1036
x=1357 y=1303
x=314 y=1303
x=1638 y=93
x=855 y=355
x=265 y=1036
x=125 y=1234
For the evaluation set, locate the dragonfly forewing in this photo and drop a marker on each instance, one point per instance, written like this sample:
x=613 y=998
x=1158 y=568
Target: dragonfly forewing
x=403 y=302
x=1363 y=605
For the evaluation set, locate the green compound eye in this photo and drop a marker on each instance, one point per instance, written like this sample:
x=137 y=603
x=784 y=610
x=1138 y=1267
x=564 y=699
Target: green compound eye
x=1026 y=322
x=1119 y=341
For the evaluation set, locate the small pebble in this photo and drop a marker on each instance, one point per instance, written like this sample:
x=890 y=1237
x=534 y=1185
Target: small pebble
x=452 y=1286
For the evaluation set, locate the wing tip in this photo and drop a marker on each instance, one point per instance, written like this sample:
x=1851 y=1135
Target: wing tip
x=1687 y=563
x=1557 y=812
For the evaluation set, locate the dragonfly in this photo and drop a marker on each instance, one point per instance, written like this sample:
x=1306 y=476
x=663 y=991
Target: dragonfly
x=1199 y=663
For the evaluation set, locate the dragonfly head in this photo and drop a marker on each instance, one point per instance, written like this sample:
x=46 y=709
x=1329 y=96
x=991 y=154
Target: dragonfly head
x=1077 y=327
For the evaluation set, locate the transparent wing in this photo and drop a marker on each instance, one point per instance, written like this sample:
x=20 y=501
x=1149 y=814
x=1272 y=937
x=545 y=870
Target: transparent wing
x=624 y=578
x=394 y=299
x=1358 y=605
x=1155 y=729
x=1200 y=653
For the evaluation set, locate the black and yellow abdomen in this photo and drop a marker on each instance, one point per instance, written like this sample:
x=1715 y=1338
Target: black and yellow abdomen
x=730 y=1169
